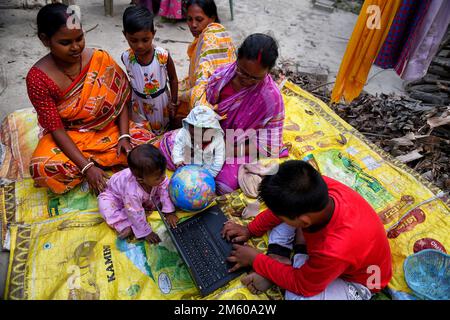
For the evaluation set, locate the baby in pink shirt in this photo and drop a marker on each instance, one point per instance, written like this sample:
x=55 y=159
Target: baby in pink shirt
x=130 y=192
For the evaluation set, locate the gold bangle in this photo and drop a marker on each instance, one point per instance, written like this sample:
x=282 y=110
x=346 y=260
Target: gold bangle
x=86 y=167
x=126 y=135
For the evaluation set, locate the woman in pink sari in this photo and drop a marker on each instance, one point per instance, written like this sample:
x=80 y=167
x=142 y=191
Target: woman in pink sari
x=250 y=104
x=172 y=9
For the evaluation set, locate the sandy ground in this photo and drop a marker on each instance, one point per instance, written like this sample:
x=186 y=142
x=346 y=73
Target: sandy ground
x=309 y=38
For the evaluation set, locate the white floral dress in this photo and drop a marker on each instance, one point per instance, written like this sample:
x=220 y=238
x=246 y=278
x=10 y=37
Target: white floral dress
x=150 y=97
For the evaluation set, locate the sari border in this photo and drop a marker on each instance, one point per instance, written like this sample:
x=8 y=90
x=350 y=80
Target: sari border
x=80 y=76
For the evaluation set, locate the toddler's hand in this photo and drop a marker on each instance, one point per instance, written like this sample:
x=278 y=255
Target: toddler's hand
x=180 y=164
x=173 y=108
x=172 y=219
x=153 y=238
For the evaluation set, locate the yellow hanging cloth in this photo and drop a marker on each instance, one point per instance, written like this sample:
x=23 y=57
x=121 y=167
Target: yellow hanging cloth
x=366 y=40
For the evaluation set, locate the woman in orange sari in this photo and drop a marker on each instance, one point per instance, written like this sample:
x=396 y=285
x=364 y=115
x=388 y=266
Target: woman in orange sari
x=81 y=97
x=211 y=48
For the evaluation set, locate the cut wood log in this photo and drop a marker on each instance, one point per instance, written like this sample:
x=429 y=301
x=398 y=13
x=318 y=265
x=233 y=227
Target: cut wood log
x=446 y=41
x=435 y=98
x=428 y=79
x=440 y=71
x=430 y=88
x=443 y=62
x=444 y=53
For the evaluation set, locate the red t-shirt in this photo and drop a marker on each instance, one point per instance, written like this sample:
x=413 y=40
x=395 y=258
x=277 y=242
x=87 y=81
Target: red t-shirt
x=346 y=248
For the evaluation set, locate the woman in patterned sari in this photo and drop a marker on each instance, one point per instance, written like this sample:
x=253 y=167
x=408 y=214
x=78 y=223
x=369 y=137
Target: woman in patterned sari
x=211 y=48
x=81 y=97
x=250 y=104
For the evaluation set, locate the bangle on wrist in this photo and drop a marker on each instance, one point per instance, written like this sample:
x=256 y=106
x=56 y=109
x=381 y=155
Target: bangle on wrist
x=86 y=167
x=126 y=135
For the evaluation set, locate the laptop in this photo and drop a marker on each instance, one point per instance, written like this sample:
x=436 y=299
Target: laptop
x=202 y=248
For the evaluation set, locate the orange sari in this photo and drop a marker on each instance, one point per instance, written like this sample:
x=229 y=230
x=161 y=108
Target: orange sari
x=88 y=110
x=363 y=47
x=211 y=50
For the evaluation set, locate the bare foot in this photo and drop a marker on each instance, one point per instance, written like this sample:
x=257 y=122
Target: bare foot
x=125 y=233
x=256 y=284
x=281 y=259
x=299 y=238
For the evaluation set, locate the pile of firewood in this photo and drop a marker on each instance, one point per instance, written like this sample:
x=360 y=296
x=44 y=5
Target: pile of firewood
x=434 y=88
x=416 y=133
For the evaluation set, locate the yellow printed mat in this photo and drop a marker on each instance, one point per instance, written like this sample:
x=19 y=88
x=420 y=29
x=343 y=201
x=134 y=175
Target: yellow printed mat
x=77 y=256
x=61 y=248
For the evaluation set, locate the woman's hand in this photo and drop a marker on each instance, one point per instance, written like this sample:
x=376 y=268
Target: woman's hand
x=97 y=179
x=124 y=146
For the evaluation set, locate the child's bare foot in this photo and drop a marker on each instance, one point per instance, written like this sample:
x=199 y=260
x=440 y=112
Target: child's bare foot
x=279 y=258
x=251 y=210
x=125 y=233
x=256 y=284
x=299 y=238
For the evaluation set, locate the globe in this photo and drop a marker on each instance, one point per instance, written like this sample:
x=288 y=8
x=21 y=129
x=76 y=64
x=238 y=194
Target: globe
x=192 y=188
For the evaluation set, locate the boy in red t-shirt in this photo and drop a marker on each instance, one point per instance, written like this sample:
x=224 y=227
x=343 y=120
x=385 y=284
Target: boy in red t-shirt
x=340 y=245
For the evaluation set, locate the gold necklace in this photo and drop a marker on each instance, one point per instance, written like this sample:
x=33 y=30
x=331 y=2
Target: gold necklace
x=72 y=78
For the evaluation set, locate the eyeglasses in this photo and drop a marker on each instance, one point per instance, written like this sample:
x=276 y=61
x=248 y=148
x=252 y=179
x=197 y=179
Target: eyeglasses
x=242 y=73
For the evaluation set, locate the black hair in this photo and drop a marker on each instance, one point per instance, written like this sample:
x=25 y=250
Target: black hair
x=137 y=18
x=297 y=188
x=146 y=160
x=261 y=47
x=208 y=6
x=51 y=18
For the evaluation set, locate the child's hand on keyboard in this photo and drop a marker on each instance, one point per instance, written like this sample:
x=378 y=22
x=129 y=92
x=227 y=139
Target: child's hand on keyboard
x=243 y=256
x=153 y=238
x=235 y=232
x=172 y=219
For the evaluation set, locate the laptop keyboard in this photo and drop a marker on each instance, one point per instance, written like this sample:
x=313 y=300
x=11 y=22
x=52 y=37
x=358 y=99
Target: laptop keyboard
x=205 y=257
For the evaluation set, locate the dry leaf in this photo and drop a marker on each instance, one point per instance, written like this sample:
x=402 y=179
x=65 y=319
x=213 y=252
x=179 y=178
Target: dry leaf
x=413 y=155
x=438 y=121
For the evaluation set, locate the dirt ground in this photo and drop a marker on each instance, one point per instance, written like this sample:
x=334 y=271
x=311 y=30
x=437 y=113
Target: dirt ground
x=309 y=39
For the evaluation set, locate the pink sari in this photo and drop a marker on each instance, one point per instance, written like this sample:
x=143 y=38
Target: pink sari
x=255 y=114
x=171 y=9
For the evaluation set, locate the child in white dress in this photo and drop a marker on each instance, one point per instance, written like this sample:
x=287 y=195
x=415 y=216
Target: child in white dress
x=151 y=71
x=200 y=141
